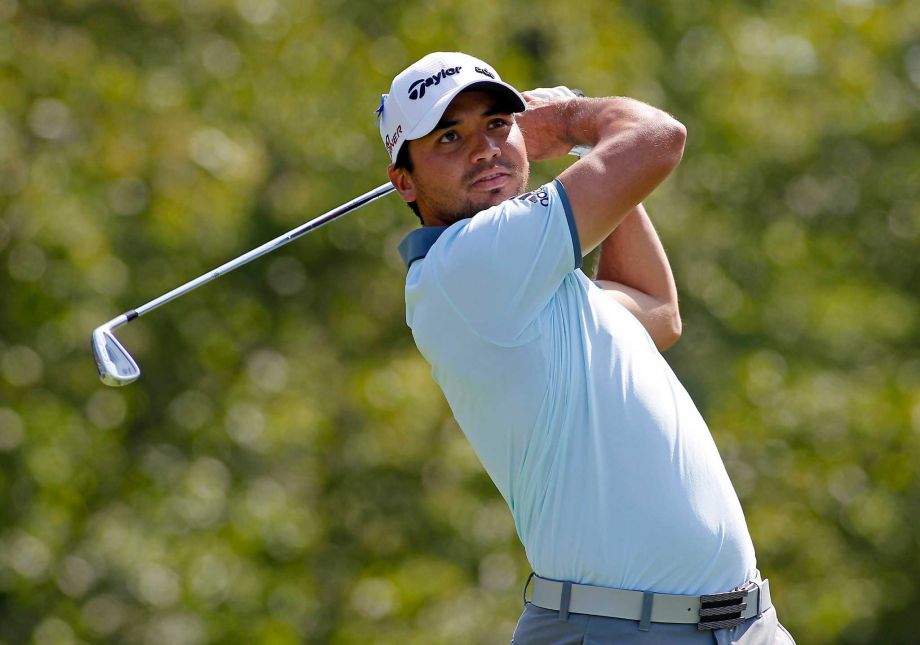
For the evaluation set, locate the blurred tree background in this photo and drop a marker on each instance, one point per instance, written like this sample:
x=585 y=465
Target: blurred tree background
x=286 y=471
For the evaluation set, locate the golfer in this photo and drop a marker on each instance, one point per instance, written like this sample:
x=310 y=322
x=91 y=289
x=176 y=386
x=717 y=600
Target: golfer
x=617 y=490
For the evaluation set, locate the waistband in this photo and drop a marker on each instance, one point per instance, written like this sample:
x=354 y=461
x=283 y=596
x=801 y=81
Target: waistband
x=713 y=611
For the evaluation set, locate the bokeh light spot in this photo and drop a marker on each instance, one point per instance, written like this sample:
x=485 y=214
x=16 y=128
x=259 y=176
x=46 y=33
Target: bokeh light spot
x=28 y=556
x=12 y=429
x=497 y=572
x=27 y=262
x=191 y=409
x=104 y=614
x=157 y=585
x=176 y=629
x=286 y=275
x=75 y=576
x=374 y=598
x=21 y=366
x=53 y=631
x=106 y=408
x=245 y=424
x=49 y=119
x=257 y=11
x=268 y=370
x=221 y=57
x=128 y=195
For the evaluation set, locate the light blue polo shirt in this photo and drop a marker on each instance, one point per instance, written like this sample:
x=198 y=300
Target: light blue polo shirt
x=608 y=468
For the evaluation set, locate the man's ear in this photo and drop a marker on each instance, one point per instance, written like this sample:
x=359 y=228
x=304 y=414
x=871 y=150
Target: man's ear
x=403 y=182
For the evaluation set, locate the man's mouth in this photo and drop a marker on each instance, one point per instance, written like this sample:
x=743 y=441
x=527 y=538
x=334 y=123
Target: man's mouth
x=492 y=179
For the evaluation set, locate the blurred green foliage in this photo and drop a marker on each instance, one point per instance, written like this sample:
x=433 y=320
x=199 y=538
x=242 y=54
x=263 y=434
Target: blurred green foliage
x=285 y=471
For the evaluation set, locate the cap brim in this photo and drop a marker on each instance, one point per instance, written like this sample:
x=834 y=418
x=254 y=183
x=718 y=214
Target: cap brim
x=515 y=103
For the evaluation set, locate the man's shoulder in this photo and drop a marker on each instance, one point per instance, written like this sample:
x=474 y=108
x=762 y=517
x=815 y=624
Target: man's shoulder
x=539 y=199
x=536 y=197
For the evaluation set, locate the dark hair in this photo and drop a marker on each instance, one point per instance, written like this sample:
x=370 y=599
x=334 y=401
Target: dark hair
x=404 y=161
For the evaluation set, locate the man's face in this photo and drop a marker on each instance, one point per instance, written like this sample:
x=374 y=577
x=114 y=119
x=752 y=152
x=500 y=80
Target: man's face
x=473 y=159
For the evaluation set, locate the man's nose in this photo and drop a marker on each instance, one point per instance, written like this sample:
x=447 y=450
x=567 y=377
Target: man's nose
x=486 y=147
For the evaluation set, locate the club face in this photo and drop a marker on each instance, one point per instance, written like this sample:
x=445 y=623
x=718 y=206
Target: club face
x=113 y=362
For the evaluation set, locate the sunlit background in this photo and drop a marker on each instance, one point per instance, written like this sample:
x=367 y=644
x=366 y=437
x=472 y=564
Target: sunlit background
x=285 y=470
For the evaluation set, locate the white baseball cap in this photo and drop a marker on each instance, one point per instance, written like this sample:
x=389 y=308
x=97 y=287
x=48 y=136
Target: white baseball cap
x=421 y=93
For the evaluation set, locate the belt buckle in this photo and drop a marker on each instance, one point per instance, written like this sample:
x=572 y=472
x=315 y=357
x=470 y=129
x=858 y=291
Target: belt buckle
x=721 y=610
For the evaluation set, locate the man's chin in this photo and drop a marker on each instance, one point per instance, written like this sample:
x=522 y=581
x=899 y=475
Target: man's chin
x=491 y=199
x=479 y=202
x=496 y=196
x=468 y=211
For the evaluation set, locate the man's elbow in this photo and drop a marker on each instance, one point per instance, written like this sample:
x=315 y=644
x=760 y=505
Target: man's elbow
x=663 y=138
x=673 y=137
x=669 y=330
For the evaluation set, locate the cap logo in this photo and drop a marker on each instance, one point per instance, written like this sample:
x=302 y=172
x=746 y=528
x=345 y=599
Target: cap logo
x=417 y=89
x=391 y=142
x=486 y=72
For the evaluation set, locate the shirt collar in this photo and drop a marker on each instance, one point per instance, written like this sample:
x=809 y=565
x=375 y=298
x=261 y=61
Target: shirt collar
x=416 y=244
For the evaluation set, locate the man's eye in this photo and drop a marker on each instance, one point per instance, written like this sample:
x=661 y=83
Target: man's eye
x=449 y=137
x=498 y=123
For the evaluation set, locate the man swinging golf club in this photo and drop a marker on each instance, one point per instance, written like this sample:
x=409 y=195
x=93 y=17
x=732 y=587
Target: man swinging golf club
x=618 y=492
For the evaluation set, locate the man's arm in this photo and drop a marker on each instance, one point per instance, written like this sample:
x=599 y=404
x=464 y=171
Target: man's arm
x=634 y=270
x=634 y=147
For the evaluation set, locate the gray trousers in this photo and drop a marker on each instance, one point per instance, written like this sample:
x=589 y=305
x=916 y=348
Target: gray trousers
x=538 y=626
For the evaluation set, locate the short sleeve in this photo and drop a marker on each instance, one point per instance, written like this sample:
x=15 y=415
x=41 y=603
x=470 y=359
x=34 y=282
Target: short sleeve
x=502 y=267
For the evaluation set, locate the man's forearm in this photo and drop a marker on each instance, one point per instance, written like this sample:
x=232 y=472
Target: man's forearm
x=634 y=266
x=634 y=256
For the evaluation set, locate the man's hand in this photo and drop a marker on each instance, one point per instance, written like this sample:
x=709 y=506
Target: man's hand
x=545 y=123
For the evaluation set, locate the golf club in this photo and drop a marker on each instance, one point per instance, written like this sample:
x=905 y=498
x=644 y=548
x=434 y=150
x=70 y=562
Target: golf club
x=114 y=363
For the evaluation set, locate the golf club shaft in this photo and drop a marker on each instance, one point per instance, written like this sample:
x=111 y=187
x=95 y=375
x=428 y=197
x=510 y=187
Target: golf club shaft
x=268 y=247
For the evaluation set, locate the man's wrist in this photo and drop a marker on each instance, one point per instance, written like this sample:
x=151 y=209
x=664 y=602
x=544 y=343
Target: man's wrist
x=564 y=102
x=575 y=134
x=581 y=131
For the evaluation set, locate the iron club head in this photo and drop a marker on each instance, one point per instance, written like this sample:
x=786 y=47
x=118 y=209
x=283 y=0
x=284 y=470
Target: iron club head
x=113 y=362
